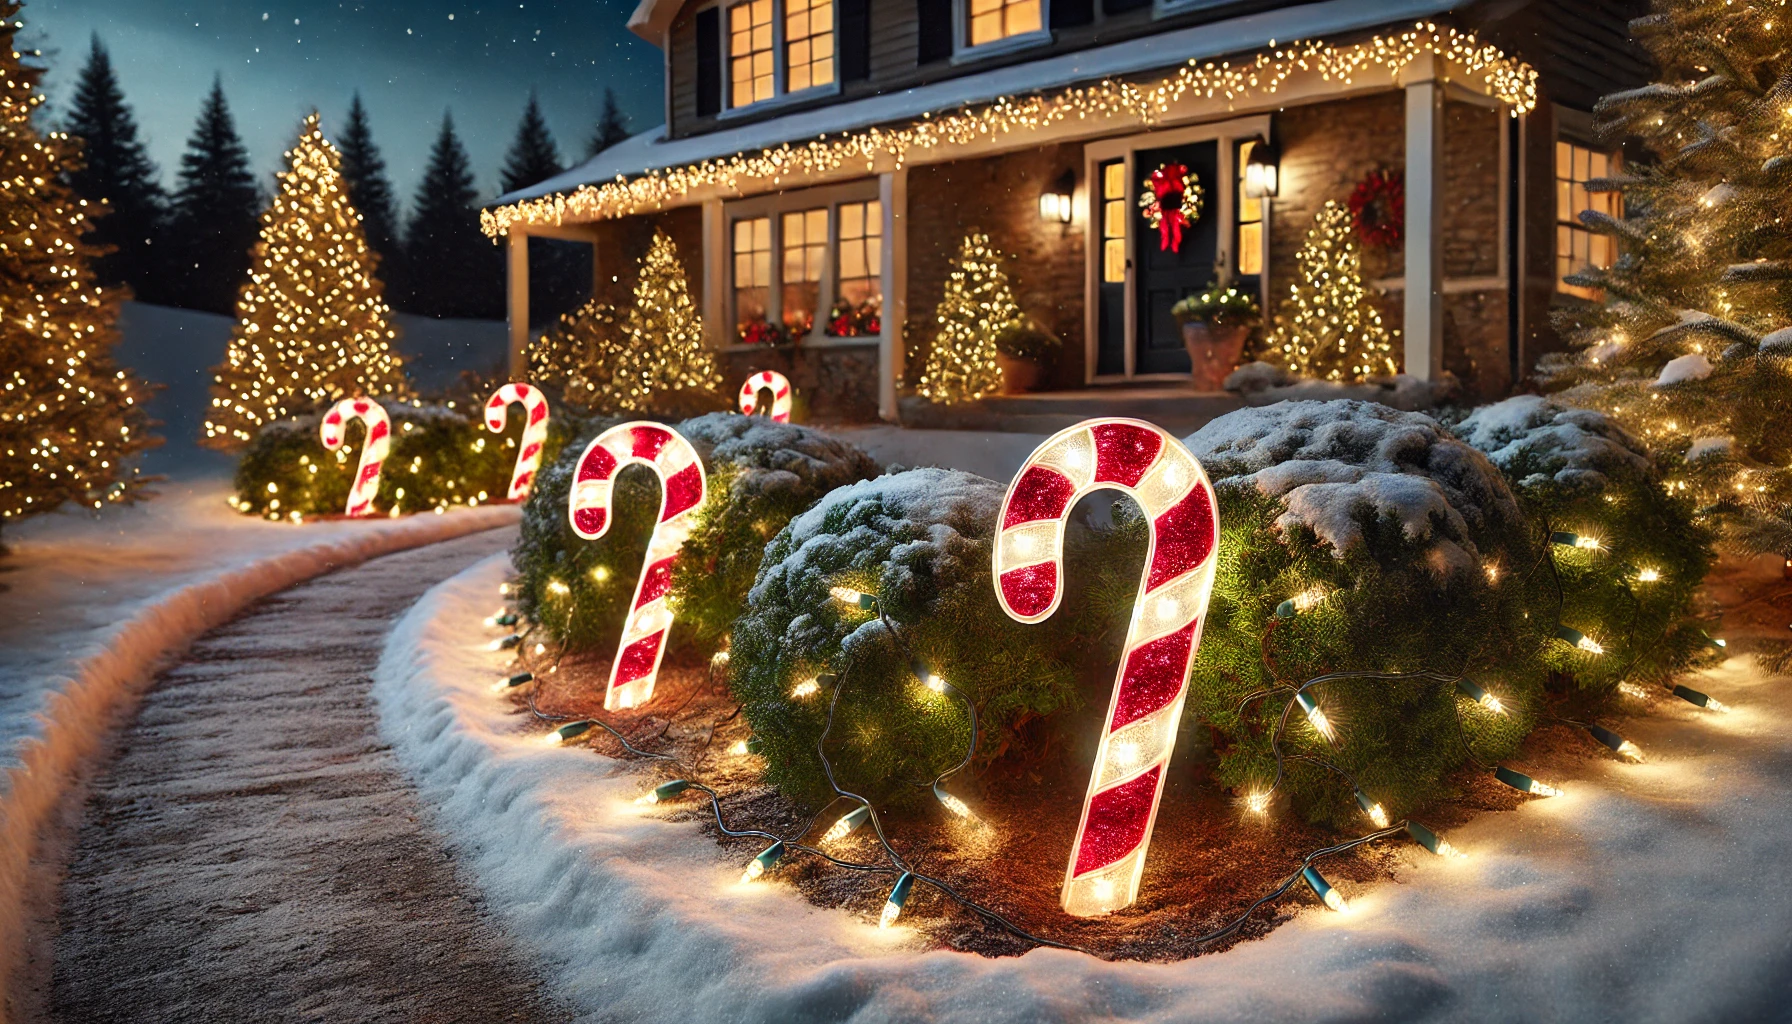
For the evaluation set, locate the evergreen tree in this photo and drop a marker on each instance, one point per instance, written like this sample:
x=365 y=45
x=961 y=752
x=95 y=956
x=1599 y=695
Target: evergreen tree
x=70 y=420
x=1691 y=343
x=612 y=125
x=1327 y=327
x=364 y=169
x=451 y=268
x=978 y=303
x=215 y=212
x=116 y=171
x=533 y=157
x=312 y=326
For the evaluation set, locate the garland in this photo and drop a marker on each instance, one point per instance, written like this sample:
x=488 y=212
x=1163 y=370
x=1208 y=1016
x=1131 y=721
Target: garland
x=1378 y=209
x=1171 y=201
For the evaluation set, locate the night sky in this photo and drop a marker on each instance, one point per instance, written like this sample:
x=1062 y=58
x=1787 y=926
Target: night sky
x=410 y=59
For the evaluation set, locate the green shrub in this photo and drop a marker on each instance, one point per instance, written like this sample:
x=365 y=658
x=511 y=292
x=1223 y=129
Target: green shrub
x=920 y=542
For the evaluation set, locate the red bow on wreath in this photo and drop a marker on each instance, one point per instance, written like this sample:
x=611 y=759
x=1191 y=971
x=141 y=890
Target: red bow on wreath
x=1173 y=203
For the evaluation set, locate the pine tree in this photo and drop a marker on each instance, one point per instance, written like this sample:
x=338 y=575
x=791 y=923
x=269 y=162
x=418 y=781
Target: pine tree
x=117 y=171
x=364 y=169
x=451 y=268
x=1690 y=345
x=1327 y=327
x=533 y=157
x=312 y=326
x=612 y=126
x=70 y=420
x=978 y=303
x=215 y=212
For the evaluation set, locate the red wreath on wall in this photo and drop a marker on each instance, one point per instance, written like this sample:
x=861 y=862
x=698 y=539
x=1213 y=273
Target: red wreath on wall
x=1378 y=209
x=1171 y=202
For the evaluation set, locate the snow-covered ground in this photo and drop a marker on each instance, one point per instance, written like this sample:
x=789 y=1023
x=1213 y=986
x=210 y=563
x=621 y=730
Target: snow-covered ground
x=91 y=605
x=1650 y=892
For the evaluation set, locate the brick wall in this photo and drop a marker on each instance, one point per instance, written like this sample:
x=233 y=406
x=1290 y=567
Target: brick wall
x=1000 y=195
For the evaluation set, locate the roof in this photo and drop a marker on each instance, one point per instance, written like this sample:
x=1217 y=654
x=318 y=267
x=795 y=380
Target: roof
x=652 y=18
x=651 y=150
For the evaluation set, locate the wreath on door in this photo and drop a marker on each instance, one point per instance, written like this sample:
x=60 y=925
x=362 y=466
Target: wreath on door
x=1378 y=209
x=1171 y=201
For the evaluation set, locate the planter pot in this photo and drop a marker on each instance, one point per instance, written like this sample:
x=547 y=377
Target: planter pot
x=1019 y=376
x=1213 y=351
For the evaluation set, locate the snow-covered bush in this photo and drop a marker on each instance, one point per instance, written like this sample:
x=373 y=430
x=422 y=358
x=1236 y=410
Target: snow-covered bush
x=1403 y=550
x=1578 y=473
x=760 y=474
x=920 y=542
x=439 y=457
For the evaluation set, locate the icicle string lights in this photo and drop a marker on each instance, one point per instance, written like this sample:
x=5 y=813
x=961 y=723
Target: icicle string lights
x=374 y=447
x=535 y=431
x=683 y=487
x=766 y=380
x=1123 y=103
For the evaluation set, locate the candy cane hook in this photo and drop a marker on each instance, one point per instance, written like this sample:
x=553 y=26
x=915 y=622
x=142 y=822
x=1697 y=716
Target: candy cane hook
x=1152 y=680
x=683 y=486
x=778 y=384
x=373 y=448
x=535 y=431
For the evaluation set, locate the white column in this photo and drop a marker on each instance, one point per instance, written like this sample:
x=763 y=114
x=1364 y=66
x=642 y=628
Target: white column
x=715 y=262
x=518 y=275
x=892 y=195
x=1424 y=327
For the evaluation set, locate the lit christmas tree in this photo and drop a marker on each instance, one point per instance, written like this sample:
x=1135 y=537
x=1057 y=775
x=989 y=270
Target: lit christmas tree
x=1688 y=342
x=961 y=364
x=1327 y=327
x=312 y=326
x=579 y=353
x=69 y=419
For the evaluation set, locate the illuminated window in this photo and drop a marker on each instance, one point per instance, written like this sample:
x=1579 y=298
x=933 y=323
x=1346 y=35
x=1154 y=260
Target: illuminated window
x=1576 y=247
x=1113 y=222
x=805 y=250
x=808 y=43
x=750 y=52
x=994 y=20
x=752 y=268
x=861 y=254
x=1250 y=220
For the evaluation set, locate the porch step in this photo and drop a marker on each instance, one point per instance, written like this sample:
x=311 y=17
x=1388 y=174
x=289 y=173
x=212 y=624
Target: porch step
x=1176 y=409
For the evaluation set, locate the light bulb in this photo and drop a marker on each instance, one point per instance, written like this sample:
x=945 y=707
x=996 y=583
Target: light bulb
x=1316 y=716
x=568 y=732
x=848 y=822
x=663 y=791
x=1432 y=841
x=509 y=685
x=853 y=598
x=1524 y=783
x=952 y=803
x=1377 y=813
x=1257 y=801
x=1620 y=745
x=1481 y=697
x=898 y=897
x=806 y=688
x=763 y=862
x=1648 y=575
x=1324 y=890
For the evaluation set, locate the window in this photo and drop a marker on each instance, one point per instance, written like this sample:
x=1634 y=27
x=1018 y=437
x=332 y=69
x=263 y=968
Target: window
x=994 y=20
x=805 y=250
x=1113 y=222
x=750 y=52
x=1576 y=247
x=752 y=269
x=861 y=253
x=808 y=44
x=1250 y=220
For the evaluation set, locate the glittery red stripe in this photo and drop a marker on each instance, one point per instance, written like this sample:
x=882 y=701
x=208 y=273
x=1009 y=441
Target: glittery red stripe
x=637 y=659
x=656 y=580
x=538 y=413
x=598 y=464
x=1185 y=534
x=1040 y=493
x=1153 y=677
x=531 y=449
x=589 y=520
x=1124 y=452
x=683 y=490
x=377 y=431
x=1117 y=821
x=1029 y=590
x=648 y=441
x=368 y=473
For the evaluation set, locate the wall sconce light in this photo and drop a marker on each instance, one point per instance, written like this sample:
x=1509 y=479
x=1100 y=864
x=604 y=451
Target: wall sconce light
x=1262 y=169
x=1055 y=201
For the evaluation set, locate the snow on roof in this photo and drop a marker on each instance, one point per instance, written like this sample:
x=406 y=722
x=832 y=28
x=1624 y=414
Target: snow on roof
x=651 y=150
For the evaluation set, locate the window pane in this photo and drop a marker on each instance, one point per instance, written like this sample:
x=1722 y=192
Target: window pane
x=1576 y=246
x=752 y=269
x=859 y=287
x=808 y=43
x=1113 y=260
x=1250 y=248
x=993 y=20
x=750 y=52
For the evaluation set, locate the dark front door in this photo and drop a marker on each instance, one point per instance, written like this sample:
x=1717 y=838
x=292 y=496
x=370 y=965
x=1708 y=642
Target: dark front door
x=1165 y=275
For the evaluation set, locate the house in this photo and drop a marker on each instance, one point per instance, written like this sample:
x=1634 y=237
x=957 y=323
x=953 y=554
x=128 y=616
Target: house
x=836 y=151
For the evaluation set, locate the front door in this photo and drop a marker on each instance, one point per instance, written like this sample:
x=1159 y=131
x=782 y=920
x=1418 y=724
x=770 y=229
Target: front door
x=1164 y=275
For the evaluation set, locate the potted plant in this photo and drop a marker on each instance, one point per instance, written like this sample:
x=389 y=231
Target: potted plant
x=1023 y=349
x=1215 y=326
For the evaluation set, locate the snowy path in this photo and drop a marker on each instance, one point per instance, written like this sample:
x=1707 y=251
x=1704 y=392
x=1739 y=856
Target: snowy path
x=254 y=854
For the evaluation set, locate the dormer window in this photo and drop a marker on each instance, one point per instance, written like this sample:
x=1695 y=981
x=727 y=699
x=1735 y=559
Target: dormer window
x=779 y=48
x=992 y=21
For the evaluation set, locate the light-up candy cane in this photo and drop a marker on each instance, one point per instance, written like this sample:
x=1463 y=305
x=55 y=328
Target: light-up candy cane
x=683 y=486
x=373 y=448
x=535 y=431
x=778 y=384
x=1169 y=484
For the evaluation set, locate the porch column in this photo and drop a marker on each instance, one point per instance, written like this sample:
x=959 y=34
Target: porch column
x=1424 y=327
x=715 y=260
x=892 y=196
x=518 y=301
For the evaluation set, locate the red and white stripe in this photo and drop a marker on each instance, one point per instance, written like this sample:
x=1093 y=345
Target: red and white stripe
x=373 y=449
x=1143 y=461
x=535 y=431
x=588 y=506
x=778 y=384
